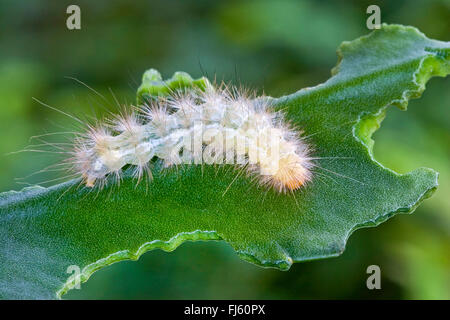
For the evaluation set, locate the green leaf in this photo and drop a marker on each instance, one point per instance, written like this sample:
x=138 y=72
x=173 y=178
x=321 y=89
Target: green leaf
x=45 y=230
x=153 y=84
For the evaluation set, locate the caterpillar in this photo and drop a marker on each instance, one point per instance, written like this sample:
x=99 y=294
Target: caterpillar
x=184 y=121
x=218 y=124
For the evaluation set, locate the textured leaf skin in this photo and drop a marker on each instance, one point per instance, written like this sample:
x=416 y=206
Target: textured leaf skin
x=44 y=230
x=153 y=84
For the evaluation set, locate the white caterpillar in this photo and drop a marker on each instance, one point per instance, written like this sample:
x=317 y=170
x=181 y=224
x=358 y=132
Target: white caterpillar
x=214 y=125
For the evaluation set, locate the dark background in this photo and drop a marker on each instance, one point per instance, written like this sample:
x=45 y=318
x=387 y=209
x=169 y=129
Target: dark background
x=273 y=46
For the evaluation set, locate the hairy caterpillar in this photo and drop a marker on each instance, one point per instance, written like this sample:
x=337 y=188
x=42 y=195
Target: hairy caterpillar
x=216 y=125
x=196 y=123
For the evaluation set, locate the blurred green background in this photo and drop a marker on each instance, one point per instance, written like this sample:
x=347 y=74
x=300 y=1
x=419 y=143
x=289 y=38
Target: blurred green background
x=275 y=46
